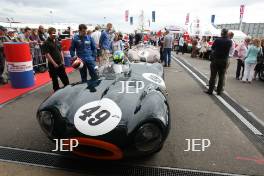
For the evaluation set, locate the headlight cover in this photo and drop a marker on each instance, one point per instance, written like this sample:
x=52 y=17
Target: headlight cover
x=46 y=121
x=148 y=138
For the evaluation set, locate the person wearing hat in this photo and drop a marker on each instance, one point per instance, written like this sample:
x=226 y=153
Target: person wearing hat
x=220 y=54
x=3 y=38
x=11 y=35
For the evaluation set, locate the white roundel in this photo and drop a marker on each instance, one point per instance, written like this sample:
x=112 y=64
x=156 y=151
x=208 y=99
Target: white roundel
x=154 y=78
x=98 y=117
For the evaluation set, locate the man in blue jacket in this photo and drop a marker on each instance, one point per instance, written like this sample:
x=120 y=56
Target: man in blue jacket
x=84 y=47
x=105 y=44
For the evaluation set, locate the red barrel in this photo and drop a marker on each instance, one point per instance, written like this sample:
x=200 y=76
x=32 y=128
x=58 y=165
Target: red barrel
x=19 y=64
x=66 y=44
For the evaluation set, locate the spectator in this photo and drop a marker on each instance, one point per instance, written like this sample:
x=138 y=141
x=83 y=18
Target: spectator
x=85 y=48
x=117 y=44
x=260 y=60
x=204 y=47
x=11 y=35
x=194 y=47
x=221 y=48
x=105 y=44
x=181 y=45
x=232 y=49
x=138 y=38
x=3 y=38
x=35 y=49
x=96 y=36
x=241 y=55
x=131 y=40
x=231 y=54
x=52 y=50
x=89 y=33
x=120 y=38
x=176 y=44
x=34 y=37
x=25 y=36
x=251 y=60
x=168 y=39
x=42 y=35
x=161 y=44
x=67 y=32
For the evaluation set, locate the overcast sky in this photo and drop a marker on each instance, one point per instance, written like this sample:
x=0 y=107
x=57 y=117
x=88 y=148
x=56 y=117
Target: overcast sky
x=168 y=12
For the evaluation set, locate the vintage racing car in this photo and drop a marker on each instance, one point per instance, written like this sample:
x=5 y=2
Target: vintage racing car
x=127 y=115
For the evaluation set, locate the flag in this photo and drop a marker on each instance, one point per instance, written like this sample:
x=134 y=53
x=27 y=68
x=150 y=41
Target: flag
x=131 y=20
x=126 y=15
x=153 y=16
x=187 y=18
x=213 y=19
x=242 y=9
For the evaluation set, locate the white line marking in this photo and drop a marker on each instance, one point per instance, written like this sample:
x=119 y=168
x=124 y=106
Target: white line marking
x=228 y=106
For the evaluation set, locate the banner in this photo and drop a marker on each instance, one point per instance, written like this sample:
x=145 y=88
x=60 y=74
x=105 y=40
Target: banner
x=242 y=9
x=126 y=15
x=187 y=18
x=153 y=16
x=19 y=66
x=213 y=19
x=131 y=20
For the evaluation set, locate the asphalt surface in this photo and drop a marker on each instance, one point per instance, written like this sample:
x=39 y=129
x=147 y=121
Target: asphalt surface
x=194 y=116
x=248 y=95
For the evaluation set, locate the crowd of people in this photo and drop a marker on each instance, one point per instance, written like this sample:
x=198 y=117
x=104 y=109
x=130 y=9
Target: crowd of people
x=91 y=46
x=35 y=38
x=95 y=47
x=249 y=55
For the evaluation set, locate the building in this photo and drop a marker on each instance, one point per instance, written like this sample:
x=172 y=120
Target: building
x=251 y=29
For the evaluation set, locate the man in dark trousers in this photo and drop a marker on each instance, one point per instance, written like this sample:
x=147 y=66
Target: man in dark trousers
x=84 y=47
x=220 y=54
x=52 y=50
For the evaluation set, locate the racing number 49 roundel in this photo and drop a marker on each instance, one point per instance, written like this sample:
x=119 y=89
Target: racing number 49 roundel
x=98 y=117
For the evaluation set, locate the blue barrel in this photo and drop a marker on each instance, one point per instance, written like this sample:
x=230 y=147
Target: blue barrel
x=19 y=64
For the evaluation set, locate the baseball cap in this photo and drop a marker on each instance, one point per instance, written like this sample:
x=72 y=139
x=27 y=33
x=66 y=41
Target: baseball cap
x=10 y=30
